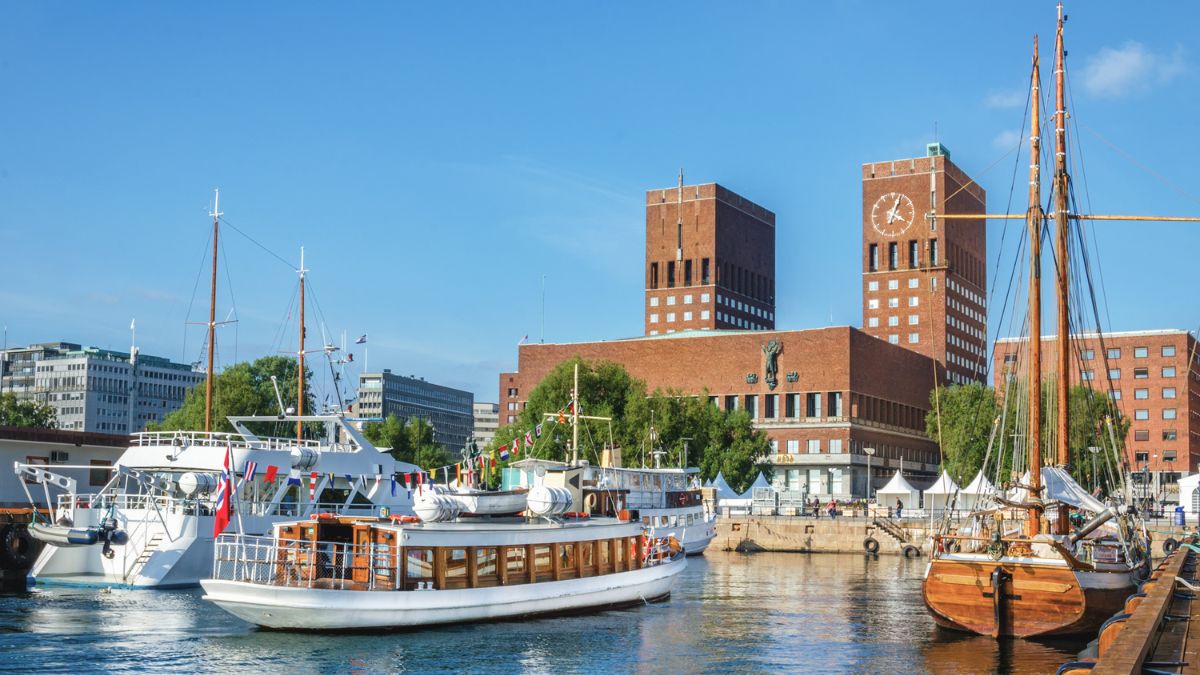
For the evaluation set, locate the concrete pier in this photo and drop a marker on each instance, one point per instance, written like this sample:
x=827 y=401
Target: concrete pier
x=799 y=534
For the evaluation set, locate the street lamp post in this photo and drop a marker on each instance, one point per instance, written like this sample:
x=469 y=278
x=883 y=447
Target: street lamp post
x=870 y=452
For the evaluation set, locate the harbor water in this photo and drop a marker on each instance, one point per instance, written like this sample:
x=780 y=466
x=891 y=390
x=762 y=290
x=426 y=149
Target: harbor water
x=731 y=612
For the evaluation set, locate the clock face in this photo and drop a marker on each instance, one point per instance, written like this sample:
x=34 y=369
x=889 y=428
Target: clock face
x=892 y=214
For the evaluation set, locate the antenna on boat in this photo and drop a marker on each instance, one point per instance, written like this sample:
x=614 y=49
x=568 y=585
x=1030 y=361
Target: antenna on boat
x=300 y=373
x=212 y=316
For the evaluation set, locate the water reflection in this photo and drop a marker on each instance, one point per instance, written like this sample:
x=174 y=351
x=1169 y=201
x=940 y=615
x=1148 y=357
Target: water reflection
x=732 y=613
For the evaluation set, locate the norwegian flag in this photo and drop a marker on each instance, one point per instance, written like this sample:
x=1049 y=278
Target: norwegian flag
x=224 y=490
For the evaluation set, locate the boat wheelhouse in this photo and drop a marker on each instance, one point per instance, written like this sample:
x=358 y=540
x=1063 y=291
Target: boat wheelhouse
x=345 y=573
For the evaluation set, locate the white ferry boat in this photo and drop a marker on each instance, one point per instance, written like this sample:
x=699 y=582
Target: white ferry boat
x=352 y=574
x=151 y=525
x=667 y=501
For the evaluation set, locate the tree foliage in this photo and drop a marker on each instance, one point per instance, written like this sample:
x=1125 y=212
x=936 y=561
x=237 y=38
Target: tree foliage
x=16 y=412
x=715 y=440
x=409 y=441
x=241 y=389
x=969 y=411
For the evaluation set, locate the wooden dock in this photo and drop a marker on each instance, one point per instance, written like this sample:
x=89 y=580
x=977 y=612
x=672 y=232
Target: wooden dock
x=1159 y=629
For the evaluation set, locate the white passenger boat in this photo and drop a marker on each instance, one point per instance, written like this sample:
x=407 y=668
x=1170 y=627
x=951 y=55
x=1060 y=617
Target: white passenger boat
x=667 y=501
x=151 y=524
x=350 y=574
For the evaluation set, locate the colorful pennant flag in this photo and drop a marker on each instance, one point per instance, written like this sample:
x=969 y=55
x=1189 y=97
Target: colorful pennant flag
x=528 y=439
x=537 y=431
x=293 y=477
x=504 y=452
x=250 y=471
x=269 y=477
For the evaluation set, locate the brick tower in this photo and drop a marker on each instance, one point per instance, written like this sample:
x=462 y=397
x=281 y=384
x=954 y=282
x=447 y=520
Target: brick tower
x=710 y=261
x=925 y=279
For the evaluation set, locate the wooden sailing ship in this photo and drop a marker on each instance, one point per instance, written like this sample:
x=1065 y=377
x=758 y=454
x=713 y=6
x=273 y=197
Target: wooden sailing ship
x=1009 y=570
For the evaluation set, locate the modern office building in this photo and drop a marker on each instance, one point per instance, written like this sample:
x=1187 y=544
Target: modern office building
x=823 y=396
x=97 y=390
x=449 y=410
x=1154 y=378
x=487 y=421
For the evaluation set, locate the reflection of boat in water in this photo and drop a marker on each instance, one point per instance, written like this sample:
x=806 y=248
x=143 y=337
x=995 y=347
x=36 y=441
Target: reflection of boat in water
x=345 y=574
x=151 y=525
x=1010 y=570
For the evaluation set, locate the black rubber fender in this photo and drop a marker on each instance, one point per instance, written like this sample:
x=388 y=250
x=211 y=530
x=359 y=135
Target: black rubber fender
x=911 y=551
x=17 y=547
x=870 y=545
x=1169 y=545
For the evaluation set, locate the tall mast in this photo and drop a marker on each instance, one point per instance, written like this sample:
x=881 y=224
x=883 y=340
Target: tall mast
x=212 y=318
x=300 y=374
x=1035 y=218
x=1062 y=230
x=575 y=419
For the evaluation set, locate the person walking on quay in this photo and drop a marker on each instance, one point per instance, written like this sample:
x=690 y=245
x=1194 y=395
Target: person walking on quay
x=833 y=509
x=899 y=508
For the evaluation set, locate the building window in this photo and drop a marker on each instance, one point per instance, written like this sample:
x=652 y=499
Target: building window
x=893 y=321
x=1169 y=456
x=893 y=284
x=731 y=402
x=873 y=258
x=912 y=254
x=1141 y=352
x=1168 y=350
x=835 y=404
x=1087 y=354
x=1142 y=457
x=914 y=338
x=670 y=300
x=913 y=319
x=772 y=402
x=933 y=252
x=791 y=404
x=1088 y=375
x=913 y=301
x=671 y=274
x=100 y=474
x=873 y=322
x=1141 y=394
x=1168 y=392
x=812 y=405
x=1141 y=435
x=835 y=446
x=814 y=446
x=1141 y=414
x=1168 y=413
x=704 y=279
x=654 y=301
x=1168 y=371
x=893 y=254
x=670 y=317
x=1114 y=353
x=687 y=272
x=687 y=316
x=1169 y=435
x=872 y=286
x=893 y=302
x=1141 y=373
x=1114 y=373
x=752 y=405
x=653 y=275
x=654 y=318
x=873 y=303
x=793 y=446
x=914 y=283
x=704 y=315
x=704 y=298
x=1115 y=394
x=894 y=339
x=687 y=299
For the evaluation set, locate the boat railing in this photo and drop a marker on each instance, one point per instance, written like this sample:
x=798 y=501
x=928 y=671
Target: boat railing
x=303 y=564
x=221 y=439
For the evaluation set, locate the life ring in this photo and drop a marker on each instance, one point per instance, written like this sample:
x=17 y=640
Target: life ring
x=1169 y=545
x=911 y=551
x=323 y=516
x=871 y=545
x=16 y=548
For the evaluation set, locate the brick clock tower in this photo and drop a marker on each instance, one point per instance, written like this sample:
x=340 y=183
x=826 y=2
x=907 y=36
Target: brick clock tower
x=710 y=261
x=925 y=279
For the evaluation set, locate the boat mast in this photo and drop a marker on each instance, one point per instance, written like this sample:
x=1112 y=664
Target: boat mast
x=1062 y=230
x=212 y=318
x=575 y=419
x=300 y=373
x=1035 y=218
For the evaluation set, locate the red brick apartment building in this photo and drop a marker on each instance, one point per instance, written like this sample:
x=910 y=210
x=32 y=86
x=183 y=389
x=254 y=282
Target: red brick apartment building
x=823 y=396
x=1155 y=380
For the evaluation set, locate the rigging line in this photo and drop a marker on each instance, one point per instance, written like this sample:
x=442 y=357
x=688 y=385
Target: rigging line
x=1177 y=189
x=195 y=287
x=1087 y=195
x=232 y=299
x=277 y=340
x=256 y=243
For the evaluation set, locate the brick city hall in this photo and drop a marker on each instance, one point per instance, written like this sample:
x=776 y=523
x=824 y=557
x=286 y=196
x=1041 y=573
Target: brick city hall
x=821 y=395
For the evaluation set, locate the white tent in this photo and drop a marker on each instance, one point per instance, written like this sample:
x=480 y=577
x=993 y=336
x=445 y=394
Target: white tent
x=723 y=490
x=898 y=488
x=970 y=496
x=1189 y=494
x=761 y=481
x=938 y=495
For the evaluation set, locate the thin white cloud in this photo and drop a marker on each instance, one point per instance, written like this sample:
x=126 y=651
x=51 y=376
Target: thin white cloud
x=1130 y=69
x=1005 y=99
x=1005 y=140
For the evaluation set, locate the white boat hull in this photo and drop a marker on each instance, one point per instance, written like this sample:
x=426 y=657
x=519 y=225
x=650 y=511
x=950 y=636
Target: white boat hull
x=322 y=609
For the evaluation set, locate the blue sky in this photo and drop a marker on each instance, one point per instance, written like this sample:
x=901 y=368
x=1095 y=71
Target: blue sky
x=437 y=159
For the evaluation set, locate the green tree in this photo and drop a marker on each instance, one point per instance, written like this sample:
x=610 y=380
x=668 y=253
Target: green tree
x=715 y=440
x=409 y=441
x=961 y=418
x=1091 y=412
x=15 y=412
x=393 y=434
x=241 y=389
